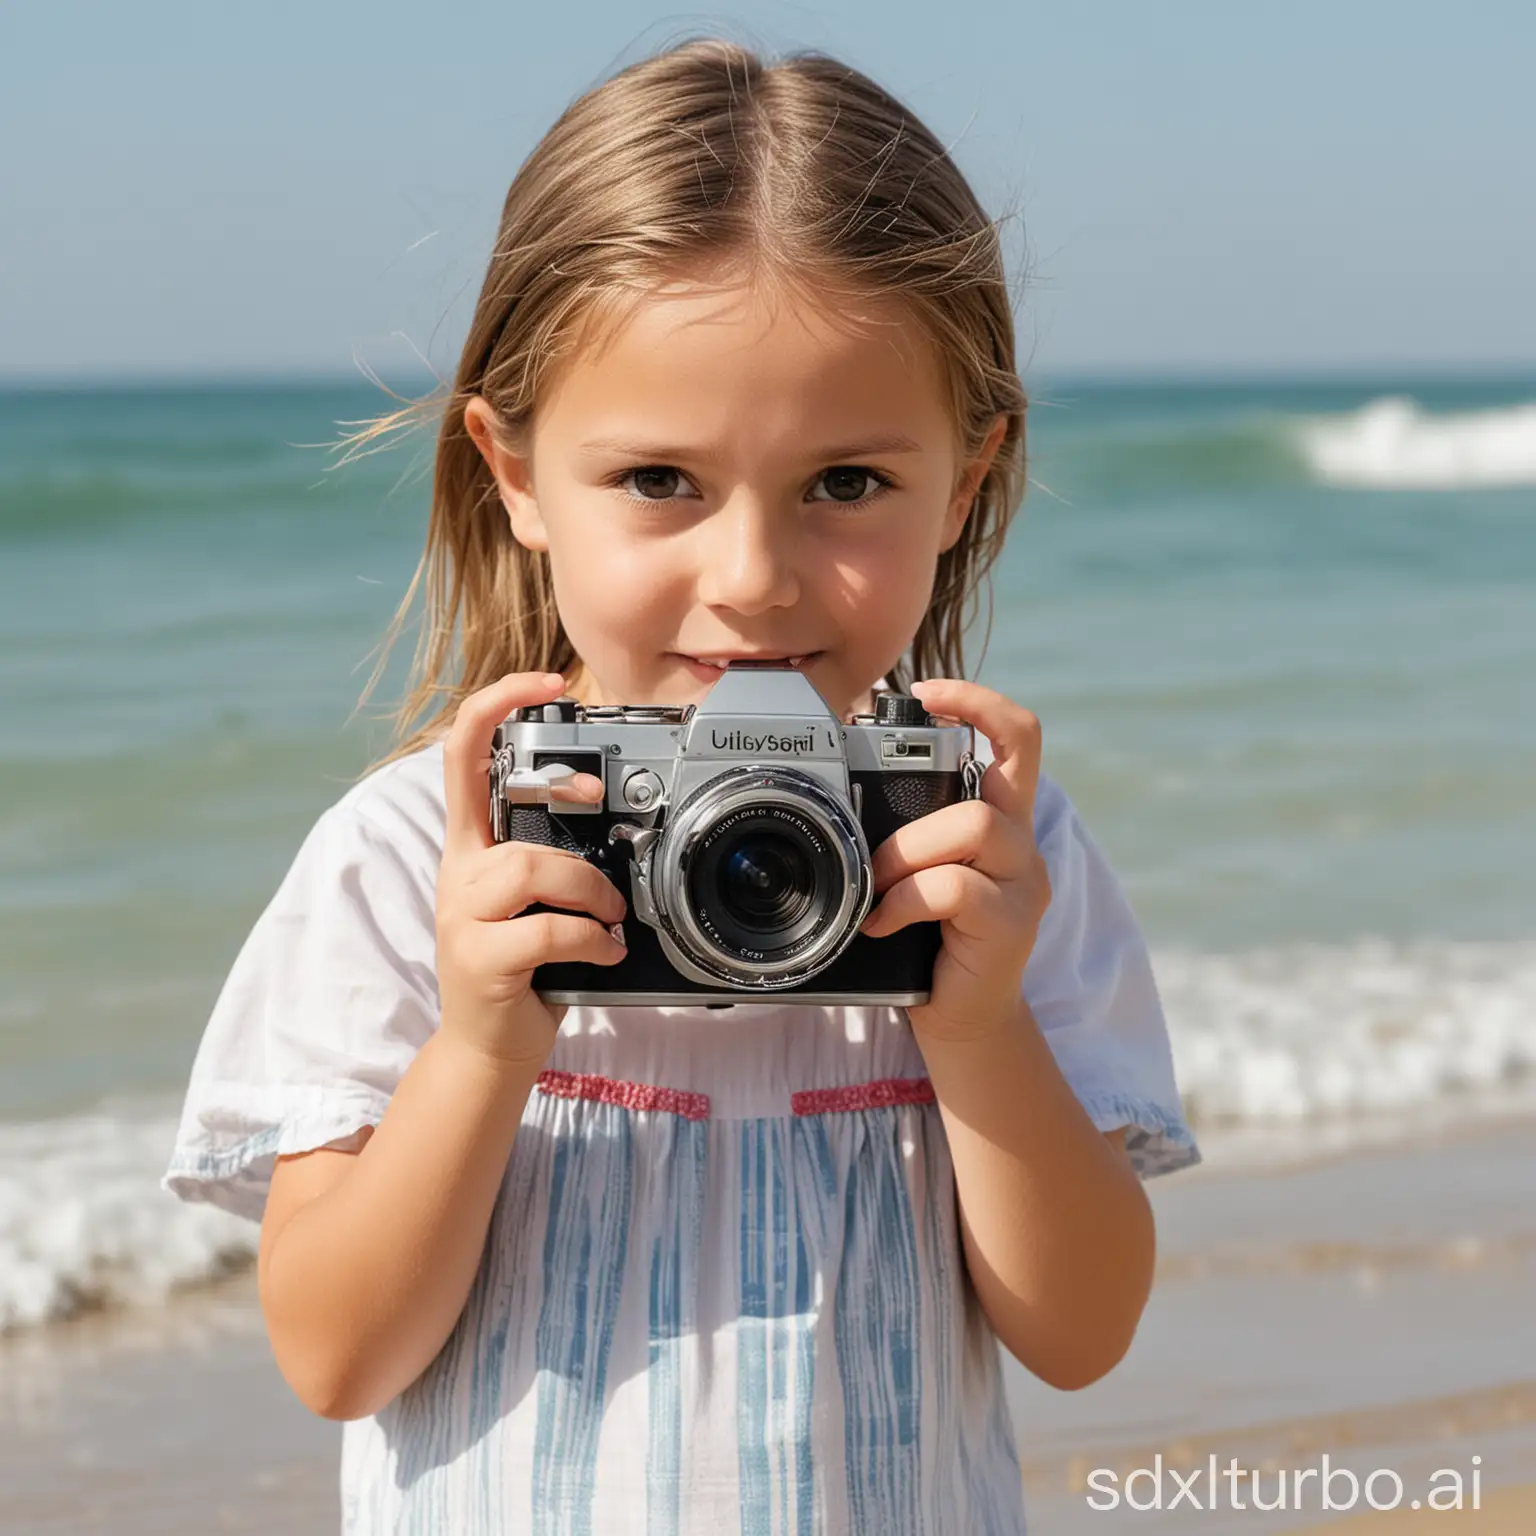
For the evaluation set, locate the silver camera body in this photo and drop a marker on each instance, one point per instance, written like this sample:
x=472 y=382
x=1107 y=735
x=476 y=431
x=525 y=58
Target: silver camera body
x=740 y=829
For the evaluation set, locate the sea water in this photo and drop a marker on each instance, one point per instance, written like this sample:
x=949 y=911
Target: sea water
x=1281 y=638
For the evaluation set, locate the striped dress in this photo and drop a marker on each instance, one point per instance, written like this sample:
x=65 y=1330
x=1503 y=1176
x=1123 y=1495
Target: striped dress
x=723 y=1288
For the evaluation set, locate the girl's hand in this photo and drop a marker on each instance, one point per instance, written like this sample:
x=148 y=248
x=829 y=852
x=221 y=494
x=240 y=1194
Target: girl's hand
x=974 y=867
x=486 y=953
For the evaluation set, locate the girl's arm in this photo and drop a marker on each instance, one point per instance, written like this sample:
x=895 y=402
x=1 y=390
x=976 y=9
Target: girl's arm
x=1058 y=1232
x=366 y=1258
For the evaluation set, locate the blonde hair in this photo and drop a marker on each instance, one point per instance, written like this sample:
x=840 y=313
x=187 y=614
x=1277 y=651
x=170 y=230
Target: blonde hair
x=804 y=169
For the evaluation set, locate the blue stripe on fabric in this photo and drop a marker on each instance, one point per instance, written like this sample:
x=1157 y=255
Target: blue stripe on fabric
x=811 y=1152
x=584 y=1256
x=876 y=1326
x=1005 y=1506
x=950 y=1498
x=990 y=1504
x=775 y=1338
x=805 y=1386
x=674 y=1272
x=511 y=1304
x=487 y=1376
x=752 y=1337
x=782 y=1319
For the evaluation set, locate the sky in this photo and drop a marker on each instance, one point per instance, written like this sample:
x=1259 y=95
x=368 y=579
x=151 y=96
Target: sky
x=192 y=189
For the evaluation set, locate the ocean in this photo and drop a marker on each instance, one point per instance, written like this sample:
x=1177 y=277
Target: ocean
x=1281 y=637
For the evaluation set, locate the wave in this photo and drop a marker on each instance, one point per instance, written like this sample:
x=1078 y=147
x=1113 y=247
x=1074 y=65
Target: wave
x=1303 y=1035
x=1392 y=443
x=84 y=1224
x=1299 y=1048
x=1169 y=447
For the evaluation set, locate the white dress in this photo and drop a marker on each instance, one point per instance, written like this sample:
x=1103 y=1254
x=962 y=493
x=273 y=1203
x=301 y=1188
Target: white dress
x=723 y=1290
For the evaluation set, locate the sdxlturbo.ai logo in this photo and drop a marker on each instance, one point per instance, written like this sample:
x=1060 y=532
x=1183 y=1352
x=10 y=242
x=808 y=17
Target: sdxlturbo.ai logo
x=1145 y=1487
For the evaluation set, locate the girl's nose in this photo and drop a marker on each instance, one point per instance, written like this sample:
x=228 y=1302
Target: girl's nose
x=746 y=558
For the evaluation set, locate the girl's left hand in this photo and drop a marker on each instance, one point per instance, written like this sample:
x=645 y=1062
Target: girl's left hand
x=974 y=868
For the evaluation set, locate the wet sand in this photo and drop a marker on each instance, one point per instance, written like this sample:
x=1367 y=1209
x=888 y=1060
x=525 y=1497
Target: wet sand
x=171 y=1422
x=1375 y=1308
x=1506 y=1512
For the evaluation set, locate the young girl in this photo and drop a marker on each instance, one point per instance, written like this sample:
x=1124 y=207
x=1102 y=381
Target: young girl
x=740 y=383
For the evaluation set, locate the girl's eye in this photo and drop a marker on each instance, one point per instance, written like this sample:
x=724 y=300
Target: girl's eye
x=653 y=482
x=849 y=484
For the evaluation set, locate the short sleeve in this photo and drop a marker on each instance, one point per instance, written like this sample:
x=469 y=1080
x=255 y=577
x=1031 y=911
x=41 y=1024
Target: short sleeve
x=1090 y=987
x=328 y=1001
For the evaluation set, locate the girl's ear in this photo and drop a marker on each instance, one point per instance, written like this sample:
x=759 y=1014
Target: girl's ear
x=970 y=482
x=512 y=472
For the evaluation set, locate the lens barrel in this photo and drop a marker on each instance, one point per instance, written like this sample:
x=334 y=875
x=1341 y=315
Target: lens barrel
x=762 y=877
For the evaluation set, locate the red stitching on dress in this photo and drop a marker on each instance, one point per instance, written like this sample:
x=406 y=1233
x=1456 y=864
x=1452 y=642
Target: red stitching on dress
x=612 y=1090
x=877 y=1095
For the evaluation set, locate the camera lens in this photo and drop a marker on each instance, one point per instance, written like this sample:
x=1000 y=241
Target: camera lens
x=763 y=881
x=766 y=882
x=760 y=878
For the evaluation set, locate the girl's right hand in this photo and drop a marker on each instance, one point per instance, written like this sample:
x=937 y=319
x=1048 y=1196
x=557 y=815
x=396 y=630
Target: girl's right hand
x=486 y=952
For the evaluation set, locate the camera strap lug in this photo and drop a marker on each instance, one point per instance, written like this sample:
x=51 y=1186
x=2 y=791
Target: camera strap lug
x=971 y=774
x=638 y=838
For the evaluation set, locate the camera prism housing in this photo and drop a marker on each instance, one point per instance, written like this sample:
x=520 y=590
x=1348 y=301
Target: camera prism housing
x=739 y=831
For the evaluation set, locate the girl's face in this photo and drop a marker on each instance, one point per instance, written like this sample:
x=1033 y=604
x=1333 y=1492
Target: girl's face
x=735 y=475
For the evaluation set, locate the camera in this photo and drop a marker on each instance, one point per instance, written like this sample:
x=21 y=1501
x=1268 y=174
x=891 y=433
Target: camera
x=740 y=831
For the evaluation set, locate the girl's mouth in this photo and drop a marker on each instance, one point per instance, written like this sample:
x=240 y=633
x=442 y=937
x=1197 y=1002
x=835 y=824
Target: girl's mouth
x=709 y=668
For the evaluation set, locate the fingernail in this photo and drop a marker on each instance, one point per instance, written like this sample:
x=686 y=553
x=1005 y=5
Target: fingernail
x=554 y=679
x=617 y=930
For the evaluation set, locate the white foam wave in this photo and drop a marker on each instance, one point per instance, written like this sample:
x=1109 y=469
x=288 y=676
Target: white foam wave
x=1317 y=1033
x=1392 y=443
x=84 y=1223
x=1302 y=1047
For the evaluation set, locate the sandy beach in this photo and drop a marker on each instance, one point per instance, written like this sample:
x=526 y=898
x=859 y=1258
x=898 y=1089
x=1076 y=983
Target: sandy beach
x=1505 y=1512
x=1374 y=1308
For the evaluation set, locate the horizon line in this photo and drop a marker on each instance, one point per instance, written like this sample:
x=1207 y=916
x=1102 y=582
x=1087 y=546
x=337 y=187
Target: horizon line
x=235 y=378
